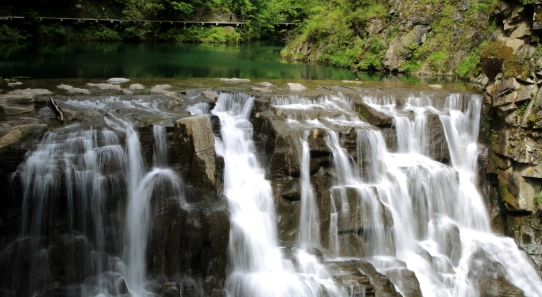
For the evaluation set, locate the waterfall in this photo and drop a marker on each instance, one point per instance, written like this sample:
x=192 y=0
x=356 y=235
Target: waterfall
x=309 y=231
x=66 y=184
x=257 y=265
x=75 y=172
x=406 y=210
x=159 y=156
x=138 y=222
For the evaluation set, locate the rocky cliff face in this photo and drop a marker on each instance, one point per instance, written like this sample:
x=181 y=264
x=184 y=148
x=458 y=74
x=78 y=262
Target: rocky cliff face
x=419 y=37
x=512 y=122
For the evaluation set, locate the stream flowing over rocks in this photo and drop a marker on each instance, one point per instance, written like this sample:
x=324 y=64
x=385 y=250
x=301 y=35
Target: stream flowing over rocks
x=355 y=192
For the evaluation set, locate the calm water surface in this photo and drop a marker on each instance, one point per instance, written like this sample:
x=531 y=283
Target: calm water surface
x=104 y=60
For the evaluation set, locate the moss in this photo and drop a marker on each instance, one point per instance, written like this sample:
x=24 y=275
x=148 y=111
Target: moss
x=437 y=60
x=533 y=119
x=469 y=66
x=521 y=108
x=538 y=199
x=513 y=65
x=505 y=194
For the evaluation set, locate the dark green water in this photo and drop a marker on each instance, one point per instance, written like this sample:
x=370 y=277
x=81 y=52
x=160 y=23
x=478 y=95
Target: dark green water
x=105 y=60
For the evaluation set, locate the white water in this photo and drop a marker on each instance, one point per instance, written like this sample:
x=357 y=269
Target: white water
x=440 y=223
x=309 y=230
x=429 y=203
x=96 y=168
x=258 y=267
x=160 y=154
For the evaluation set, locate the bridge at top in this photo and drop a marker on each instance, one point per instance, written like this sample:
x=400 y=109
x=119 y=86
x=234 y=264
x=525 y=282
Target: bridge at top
x=203 y=22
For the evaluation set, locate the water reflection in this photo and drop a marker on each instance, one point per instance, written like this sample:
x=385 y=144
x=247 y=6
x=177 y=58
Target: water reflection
x=102 y=60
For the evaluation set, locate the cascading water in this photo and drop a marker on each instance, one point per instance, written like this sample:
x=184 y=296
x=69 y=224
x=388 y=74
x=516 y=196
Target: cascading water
x=159 y=157
x=402 y=211
x=257 y=265
x=410 y=211
x=309 y=230
x=66 y=184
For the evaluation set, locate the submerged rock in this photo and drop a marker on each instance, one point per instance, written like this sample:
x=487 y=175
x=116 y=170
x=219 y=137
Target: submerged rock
x=31 y=92
x=134 y=87
x=73 y=90
x=263 y=90
x=163 y=89
x=118 y=80
x=235 y=79
x=103 y=86
x=296 y=87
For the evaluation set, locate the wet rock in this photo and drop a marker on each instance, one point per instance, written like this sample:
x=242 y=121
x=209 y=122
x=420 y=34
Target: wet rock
x=235 y=80
x=373 y=116
x=163 y=89
x=292 y=190
x=435 y=86
x=352 y=216
x=13 y=84
x=263 y=90
x=103 y=86
x=117 y=80
x=359 y=276
x=127 y=92
x=31 y=92
x=14 y=106
x=73 y=90
x=297 y=87
x=488 y=276
x=171 y=289
x=172 y=104
x=436 y=139
x=210 y=95
x=18 y=133
x=266 y=84
x=197 y=131
x=135 y=87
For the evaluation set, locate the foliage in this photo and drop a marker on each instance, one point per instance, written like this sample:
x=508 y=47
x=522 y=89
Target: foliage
x=226 y=35
x=53 y=32
x=469 y=65
x=9 y=34
x=141 y=9
x=538 y=199
x=522 y=107
x=185 y=8
x=96 y=32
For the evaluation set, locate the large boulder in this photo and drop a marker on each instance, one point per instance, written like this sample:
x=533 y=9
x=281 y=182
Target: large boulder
x=194 y=153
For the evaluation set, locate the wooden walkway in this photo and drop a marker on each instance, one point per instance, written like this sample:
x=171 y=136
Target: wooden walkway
x=203 y=23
